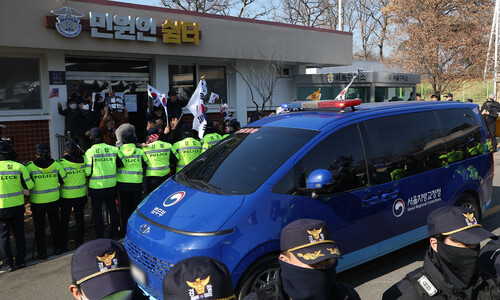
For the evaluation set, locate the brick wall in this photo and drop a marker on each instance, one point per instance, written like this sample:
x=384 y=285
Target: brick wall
x=26 y=135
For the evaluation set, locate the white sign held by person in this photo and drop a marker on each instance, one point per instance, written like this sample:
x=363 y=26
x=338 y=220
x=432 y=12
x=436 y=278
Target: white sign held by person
x=197 y=108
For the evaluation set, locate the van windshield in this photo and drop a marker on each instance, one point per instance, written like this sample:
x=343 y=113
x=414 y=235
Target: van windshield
x=239 y=164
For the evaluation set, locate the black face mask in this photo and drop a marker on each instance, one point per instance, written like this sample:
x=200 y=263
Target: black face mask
x=301 y=283
x=461 y=262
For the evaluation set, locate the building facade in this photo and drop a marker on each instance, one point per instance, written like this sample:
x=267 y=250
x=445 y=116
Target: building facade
x=50 y=52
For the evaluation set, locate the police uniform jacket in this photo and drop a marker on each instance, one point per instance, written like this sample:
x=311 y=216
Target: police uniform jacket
x=434 y=285
x=339 y=291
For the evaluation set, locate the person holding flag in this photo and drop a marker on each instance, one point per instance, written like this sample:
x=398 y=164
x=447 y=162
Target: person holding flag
x=197 y=107
x=174 y=108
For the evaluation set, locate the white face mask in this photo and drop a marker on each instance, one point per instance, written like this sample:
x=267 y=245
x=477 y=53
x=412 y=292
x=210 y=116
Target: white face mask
x=72 y=106
x=85 y=107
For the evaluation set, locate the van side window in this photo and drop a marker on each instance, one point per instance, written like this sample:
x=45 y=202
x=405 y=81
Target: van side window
x=402 y=145
x=342 y=154
x=462 y=135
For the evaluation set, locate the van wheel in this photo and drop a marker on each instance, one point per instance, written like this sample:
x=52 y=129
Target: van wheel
x=262 y=275
x=468 y=201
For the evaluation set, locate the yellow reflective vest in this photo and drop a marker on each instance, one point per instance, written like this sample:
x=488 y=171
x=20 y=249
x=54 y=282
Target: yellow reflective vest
x=210 y=140
x=158 y=154
x=46 y=180
x=132 y=158
x=74 y=186
x=11 y=188
x=100 y=165
x=186 y=151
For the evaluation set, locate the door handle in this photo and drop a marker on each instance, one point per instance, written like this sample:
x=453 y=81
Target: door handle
x=370 y=201
x=389 y=195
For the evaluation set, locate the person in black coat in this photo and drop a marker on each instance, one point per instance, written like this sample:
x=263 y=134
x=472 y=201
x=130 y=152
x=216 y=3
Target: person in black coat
x=489 y=110
x=450 y=269
x=307 y=265
x=76 y=125
x=174 y=109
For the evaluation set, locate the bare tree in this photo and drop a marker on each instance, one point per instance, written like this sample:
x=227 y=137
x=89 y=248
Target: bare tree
x=238 y=8
x=367 y=27
x=303 y=12
x=445 y=41
x=261 y=79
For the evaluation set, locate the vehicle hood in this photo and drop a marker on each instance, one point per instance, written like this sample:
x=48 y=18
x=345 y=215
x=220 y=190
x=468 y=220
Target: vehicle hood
x=183 y=208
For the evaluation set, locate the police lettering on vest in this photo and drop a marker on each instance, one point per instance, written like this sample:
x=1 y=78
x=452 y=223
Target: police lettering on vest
x=158 y=154
x=100 y=165
x=12 y=176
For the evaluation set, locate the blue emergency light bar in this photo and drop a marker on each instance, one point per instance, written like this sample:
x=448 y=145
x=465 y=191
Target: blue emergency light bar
x=342 y=104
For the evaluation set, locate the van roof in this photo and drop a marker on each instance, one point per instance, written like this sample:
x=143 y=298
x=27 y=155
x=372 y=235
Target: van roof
x=316 y=119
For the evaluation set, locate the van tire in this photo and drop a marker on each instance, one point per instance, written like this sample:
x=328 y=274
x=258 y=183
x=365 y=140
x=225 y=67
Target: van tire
x=261 y=275
x=468 y=201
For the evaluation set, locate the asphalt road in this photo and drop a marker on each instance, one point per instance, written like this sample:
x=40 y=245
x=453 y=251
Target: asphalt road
x=51 y=279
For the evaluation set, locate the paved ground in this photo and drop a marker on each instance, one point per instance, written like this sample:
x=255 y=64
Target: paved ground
x=50 y=279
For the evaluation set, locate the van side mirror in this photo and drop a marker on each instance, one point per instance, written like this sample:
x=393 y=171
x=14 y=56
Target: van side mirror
x=317 y=181
x=319 y=178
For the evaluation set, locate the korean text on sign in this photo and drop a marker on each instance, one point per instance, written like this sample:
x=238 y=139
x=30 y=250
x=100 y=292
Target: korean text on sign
x=108 y=26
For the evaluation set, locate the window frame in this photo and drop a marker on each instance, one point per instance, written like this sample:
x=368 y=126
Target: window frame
x=44 y=84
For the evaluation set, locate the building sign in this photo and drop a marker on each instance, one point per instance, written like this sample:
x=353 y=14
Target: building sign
x=345 y=77
x=123 y=27
x=68 y=22
x=398 y=77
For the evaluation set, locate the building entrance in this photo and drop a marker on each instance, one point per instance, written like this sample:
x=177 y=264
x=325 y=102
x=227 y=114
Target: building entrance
x=96 y=78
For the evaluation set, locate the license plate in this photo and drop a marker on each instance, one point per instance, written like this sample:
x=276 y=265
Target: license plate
x=139 y=275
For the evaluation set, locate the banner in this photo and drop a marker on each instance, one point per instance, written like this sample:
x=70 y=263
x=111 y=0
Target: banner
x=197 y=108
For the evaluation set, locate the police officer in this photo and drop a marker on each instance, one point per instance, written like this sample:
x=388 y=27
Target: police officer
x=308 y=261
x=489 y=111
x=489 y=265
x=73 y=192
x=100 y=269
x=158 y=153
x=14 y=177
x=198 y=277
x=129 y=177
x=450 y=265
x=211 y=137
x=101 y=163
x=47 y=174
x=185 y=151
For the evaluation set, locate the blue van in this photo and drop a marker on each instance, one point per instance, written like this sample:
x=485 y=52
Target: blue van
x=372 y=171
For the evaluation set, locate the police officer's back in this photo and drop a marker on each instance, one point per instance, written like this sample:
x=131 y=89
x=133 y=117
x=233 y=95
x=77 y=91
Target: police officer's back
x=211 y=137
x=14 y=177
x=73 y=192
x=158 y=153
x=101 y=163
x=46 y=174
x=450 y=264
x=185 y=151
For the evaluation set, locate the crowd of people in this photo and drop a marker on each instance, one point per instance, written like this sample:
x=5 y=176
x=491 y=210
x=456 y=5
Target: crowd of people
x=106 y=165
x=455 y=267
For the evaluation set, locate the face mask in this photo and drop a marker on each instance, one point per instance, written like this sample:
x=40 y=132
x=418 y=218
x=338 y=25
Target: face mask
x=72 y=106
x=301 y=283
x=462 y=262
x=85 y=107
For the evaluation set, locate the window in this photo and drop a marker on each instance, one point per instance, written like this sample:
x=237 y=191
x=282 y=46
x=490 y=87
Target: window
x=342 y=154
x=20 y=83
x=462 y=135
x=402 y=145
x=326 y=92
x=384 y=94
x=241 y=163
x=215 y=77
x=182 y=79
